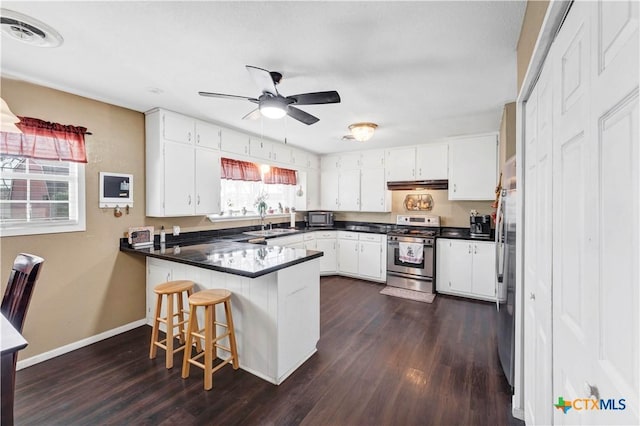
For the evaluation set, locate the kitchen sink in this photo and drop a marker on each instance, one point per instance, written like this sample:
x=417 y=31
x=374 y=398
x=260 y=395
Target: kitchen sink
x=271 y=232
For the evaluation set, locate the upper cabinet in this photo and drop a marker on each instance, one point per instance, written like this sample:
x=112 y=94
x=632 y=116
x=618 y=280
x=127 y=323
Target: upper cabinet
x=182 y=165
x=473 y=167
x=424 y=162
x=234 y=142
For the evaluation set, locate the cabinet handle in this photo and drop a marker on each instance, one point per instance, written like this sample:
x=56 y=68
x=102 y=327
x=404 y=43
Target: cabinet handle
x=420 y=171
x=469 y=248
x=382 y=201
x=356 y=247
x=189 y=199
x=168 y=276
x=361 y=248
x=189 y=136
x=454 y=187
x=198 y=199
x=475 y=249
x=413 y=172
x=532 y=296
x=198 y=139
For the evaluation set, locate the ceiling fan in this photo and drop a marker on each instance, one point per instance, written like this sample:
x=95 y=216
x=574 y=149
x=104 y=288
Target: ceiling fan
x=272 y=104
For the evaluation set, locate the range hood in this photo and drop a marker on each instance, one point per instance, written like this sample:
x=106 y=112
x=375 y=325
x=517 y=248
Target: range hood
x=410 y=185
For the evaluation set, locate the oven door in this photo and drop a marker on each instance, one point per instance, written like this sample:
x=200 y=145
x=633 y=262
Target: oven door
x=423 y=269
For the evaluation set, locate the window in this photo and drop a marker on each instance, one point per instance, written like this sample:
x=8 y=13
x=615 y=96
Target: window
x=42 y=178
x=40 y=196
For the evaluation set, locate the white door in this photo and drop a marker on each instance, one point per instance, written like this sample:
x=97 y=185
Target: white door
x=179 y=178
x=460 y=272
x=328 y=261
x=156 y=274
x=432 y=161
x=207 y=135
x=472 y=168
x=329 y=189
x=349 y=190
x=614 y=146
x=177 y=128
x=483 y=272
x=348 y=256
x=400 y=164
x=207 y=182
x=369 y=261
x=373 y=190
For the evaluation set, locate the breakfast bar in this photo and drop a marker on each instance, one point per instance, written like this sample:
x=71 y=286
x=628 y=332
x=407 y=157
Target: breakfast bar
x=275 y=301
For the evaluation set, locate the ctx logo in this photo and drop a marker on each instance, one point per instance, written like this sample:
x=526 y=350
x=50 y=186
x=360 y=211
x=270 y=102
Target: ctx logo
x=590 y=404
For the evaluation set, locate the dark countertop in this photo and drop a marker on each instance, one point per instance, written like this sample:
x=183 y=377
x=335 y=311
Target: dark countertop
x=248 y=260
x=462 y=234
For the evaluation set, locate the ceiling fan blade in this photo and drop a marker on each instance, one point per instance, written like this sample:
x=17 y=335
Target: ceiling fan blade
x=301 y=116
x=253 y=115
x=222 y=95
x=330 y=97
x=263 y=80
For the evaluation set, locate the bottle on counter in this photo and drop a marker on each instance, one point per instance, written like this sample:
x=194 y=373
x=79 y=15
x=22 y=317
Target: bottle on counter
x=163 y=235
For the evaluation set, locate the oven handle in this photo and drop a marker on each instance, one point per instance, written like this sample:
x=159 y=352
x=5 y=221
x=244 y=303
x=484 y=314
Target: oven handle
x=397 y=244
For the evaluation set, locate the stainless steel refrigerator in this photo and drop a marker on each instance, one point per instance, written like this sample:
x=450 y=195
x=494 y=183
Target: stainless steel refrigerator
x=506 y=269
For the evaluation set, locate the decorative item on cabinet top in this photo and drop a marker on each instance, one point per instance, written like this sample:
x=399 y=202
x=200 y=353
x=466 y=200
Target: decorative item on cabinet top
x=422 y=202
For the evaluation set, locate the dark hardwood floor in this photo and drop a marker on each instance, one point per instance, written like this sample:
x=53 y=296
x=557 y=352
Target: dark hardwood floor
x=380 y=361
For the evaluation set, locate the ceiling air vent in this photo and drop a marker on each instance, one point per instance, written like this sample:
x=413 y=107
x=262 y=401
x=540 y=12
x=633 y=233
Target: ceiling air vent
x=28 y=30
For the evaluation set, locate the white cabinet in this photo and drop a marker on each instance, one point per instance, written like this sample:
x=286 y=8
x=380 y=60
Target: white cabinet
x=349 y=190
x=473 y=167
x=157 y=273
x=372 y=159
x=374 y=195
x=259 y=149
x=330 y=162
x=329 y=190
x=431 y=161
x=466 y=268
x=326 y=242
x=362 y=255
x=280 y=153
x=182 y=169
x=234 y=142
x=295 y=241
x=400 y=164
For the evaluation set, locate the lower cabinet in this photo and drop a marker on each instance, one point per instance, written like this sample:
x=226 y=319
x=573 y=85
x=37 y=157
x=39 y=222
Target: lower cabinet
x=466 y=268
x=326 y=242
x=362 y=255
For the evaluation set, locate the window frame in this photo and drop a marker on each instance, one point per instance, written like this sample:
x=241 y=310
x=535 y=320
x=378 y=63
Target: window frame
x=39 y=228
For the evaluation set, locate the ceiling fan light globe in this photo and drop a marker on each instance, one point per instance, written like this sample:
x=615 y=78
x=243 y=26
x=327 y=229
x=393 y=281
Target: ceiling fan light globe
x=272 y=111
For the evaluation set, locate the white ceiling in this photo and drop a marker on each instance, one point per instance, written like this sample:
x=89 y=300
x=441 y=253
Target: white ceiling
x=420 y=70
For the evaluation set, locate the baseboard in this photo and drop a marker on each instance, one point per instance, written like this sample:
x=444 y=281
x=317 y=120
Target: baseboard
x=77 y=345
x=518 y=413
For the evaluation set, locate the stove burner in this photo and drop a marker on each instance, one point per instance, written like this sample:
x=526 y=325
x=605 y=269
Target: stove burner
x=413 y=232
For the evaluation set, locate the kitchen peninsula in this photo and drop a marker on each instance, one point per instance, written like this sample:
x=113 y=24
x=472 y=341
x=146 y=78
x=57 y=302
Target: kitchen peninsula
x=275 y=302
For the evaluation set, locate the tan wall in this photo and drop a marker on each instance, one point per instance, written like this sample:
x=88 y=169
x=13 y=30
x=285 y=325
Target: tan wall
x=87 y=286
x=507 y=147
x=533 y=17
x=452 y=213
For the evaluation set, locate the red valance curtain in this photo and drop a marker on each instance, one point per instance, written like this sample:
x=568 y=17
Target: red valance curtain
x=45 y=140
x=239 y=170
x=282 y=176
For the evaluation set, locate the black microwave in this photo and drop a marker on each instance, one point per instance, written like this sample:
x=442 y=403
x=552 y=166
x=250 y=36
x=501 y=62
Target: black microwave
x=320 y=219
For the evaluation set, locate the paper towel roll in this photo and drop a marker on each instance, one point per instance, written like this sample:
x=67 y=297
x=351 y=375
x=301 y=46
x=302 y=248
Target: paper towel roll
x=293 y=220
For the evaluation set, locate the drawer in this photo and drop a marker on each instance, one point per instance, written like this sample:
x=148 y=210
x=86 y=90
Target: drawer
x=324 y=235
x=308 y=236
x=346 y=235
x=371 y=237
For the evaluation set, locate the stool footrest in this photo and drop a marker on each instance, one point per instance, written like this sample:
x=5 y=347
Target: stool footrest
x=214 y=369
x=163 y=344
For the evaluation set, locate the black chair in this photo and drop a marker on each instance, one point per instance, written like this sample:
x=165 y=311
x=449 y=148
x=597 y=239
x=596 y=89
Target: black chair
x=15 y=302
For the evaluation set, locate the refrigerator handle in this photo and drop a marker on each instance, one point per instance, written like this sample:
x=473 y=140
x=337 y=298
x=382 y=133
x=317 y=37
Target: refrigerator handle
x=499 y=248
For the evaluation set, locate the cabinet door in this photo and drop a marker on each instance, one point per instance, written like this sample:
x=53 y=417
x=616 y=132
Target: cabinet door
x=281 y=153
x=156 y=274
x=472 y=168
x=328 y=261
x=348 y=251
x=330 y=162
x=207 y=182
x=372 y=159
x=207 y=135
x=431 y=161
x=401 y=164
x=313 y=190
x=178 y=179
x=350 y=160
x=329 y=189
x=443 y=264
x=349 y=190
x=310 y=245
x=234 y=142
x=461 y=261
x=258 y=148
x=374 y=195
x=177 y=128
x=483 y=270
x=369 y=260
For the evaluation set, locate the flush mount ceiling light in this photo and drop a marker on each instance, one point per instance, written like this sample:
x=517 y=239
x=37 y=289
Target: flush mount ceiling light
x=28 y=30
x=8 y=119
x=273 y=108
x=363 y=131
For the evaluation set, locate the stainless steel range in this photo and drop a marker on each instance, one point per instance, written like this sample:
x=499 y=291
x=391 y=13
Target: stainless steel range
x=410 y=252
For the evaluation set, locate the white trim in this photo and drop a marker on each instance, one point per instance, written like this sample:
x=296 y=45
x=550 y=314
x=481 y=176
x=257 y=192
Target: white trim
x=553 y=19
x=79 y=344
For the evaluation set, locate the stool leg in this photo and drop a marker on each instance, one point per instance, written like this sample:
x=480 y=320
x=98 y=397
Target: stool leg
x=169 y=355
x=195 y=319
x=232 y=334
x=154 y=332
x=189 y=339
x=181 y=319
x=208 y=346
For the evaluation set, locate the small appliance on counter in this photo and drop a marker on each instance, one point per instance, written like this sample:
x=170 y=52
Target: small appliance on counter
x=479 y=225
x=319 y=219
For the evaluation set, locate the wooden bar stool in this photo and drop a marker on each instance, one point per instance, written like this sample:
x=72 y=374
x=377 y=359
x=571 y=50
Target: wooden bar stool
x=174 y=291
x=209 y=299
